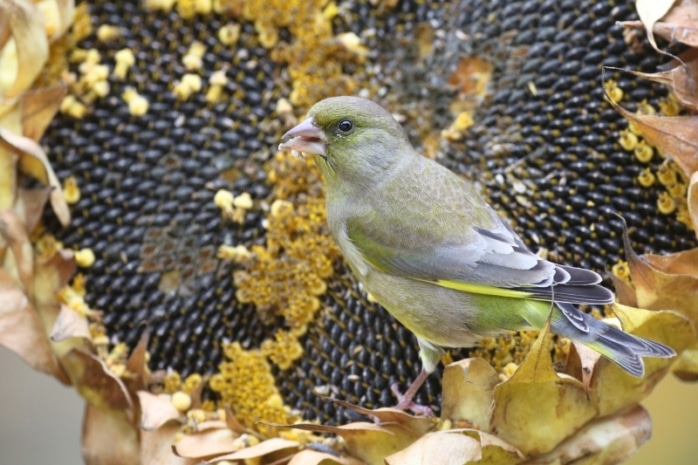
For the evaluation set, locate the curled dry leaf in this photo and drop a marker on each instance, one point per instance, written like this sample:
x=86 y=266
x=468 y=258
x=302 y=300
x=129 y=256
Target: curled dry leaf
x=156 y=410
x=156 y=446
x=34 y=162
x=108 y=438
x=38 y=107
x=274 y=447
x=680 y=24
x=205 y=444
x=59 y=16
x=96 y=383
x=665 y=282
x=686 y=366
x=675 y=136
x=69 y=324
x=431 y=447
x=608 y=441
x=467 y=392
x=693 y=201
x=21 y=329
x=651 y=11
x=20 y=262
x=30 y=45
x=613 y=389
x=681 y=78
x=537 y=408
x=30 y=204
x=368 y=441
x=462 y=445
x=581 y=361
x=313 y=457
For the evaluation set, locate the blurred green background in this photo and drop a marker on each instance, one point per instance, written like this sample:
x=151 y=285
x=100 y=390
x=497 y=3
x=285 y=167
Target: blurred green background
x=40 y=420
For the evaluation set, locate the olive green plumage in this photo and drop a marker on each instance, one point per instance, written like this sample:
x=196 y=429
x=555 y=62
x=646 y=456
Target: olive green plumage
x=426 y=245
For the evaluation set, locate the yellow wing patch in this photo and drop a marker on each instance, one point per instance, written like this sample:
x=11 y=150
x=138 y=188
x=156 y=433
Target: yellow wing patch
x=481 y=289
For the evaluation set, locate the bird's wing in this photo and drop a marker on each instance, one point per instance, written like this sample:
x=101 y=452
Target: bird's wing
x=453 y=242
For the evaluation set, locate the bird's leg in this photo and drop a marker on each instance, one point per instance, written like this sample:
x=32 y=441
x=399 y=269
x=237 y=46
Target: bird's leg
x=404 y=401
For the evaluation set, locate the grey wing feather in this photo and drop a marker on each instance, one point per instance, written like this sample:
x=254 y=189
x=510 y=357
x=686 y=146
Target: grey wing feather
x=449 y=233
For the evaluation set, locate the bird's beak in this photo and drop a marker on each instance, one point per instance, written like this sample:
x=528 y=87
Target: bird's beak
x=306 y=138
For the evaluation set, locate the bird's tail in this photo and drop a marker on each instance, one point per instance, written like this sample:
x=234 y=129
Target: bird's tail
x=625 y=350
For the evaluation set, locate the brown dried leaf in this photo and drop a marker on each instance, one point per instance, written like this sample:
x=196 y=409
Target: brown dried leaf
x=613 y=389
x=680 y=24
x=440 y=448
x=667 y=281
x=30 y=205
x=108 y=438
x=156 y=410
x=33 y=161
x=38 y=109
x=494 y=450
x=8 y=175
x=693 y=201
x=65 y=9
x=581 y=362
x=21 y=262
x=651 y=11
x=468 y=392
x=69 y=324
x=369 y=442
x=686 y=366
x=96 y=383
x=50 y=275
x=233 y=424
x=21 y=329
x=536 y=408
x=137 y=364
x=675 y=136
x=210 y=443
x=602 y=442
x=156 y=446
x=681 y=80
x=457 y=446
x=265 y=448
x=27 y=28
x=417 y=425
x=313 y=457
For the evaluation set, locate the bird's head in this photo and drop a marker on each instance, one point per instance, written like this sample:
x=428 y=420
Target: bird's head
x=352 y=140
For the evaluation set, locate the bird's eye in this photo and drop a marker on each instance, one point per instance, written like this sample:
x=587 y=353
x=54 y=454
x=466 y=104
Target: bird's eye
x=345 y=125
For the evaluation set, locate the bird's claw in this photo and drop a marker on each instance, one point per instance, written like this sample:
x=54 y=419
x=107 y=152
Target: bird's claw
x=405 y=402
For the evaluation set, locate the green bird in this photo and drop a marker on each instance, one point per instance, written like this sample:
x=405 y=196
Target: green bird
x=427 y=246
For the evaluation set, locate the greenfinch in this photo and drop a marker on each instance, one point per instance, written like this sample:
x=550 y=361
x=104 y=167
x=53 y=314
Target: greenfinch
x=427 y=246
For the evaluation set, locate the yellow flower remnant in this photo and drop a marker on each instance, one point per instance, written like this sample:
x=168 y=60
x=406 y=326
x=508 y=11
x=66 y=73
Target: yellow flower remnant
x=229 y=34
x=71 y=191
x=84 y=258
x=124 y=60
x=193 y=60
x=189 y=84
x=506 y=352
x=314 y=56
x=246 y=385
x=137 y=104
x=622 y=271
x=216 y=83
x=646 y=178
x=238 y=254
x=107 y=33
x=613 y=90
x=233 y=208
x=47 y=246
x=289 y=273
x=283 y=350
